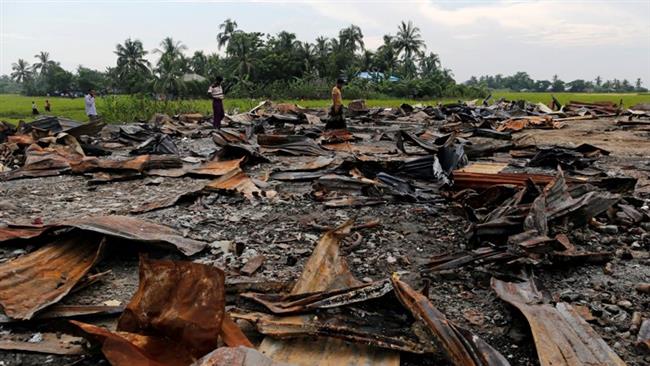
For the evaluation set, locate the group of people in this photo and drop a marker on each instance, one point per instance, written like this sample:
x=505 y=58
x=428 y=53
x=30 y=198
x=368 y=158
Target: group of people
x=216 y=91
x=89 y=106
x=48 y=107
x=336 y=116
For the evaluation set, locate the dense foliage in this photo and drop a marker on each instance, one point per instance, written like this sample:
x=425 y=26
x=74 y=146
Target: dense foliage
x=520 y=81
x=279 y=67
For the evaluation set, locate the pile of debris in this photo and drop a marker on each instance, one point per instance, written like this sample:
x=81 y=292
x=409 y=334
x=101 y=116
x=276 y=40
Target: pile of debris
x=522 y=200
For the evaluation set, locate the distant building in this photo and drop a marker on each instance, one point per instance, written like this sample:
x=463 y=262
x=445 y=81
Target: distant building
x=193 y=77
x=376 y=75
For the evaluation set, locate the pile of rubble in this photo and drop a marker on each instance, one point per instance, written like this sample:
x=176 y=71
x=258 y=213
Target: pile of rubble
x=305 y=244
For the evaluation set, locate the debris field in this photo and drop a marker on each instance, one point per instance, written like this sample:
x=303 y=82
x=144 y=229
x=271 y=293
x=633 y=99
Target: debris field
x=472 y=233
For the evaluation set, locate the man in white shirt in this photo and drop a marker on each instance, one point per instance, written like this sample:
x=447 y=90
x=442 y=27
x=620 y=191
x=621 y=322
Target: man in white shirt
x=89 y=99
x=216 y=93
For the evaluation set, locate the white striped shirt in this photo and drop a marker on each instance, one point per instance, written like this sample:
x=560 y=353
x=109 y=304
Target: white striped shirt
x=216 y=92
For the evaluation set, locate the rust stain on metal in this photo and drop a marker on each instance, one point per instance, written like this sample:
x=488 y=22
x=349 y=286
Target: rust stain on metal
x=50 y=343
x=33 y=281
x=235 y=180
x=326 y=269
x=236 y=356
x=460 y=345
x=486 y=180
x=132 y=228
x=217 y=168
x=129 y=349
x=175 y=317
x=181 y=300
x=13 y=232
x=561 y=336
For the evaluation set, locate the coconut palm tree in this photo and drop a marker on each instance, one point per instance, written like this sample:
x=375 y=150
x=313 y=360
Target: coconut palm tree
x=170 y=49
x=130 y=58
x=408 y=40
x=21 y=73
x=387 y=54
x=44 y=63
x=227 y=28
x=199 y=63
x=242 y=47
x=351 y=38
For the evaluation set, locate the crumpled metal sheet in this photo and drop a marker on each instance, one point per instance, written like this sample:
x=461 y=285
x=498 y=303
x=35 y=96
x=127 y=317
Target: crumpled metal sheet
x=136 y=229
x=33 y=281
x=124 y=227
x=70 y=311
x=373 y=330
x=183 y=301
x=290 y=144
x=561 y=336
x=238 y=181
x=326 y=270
x=50 y=343
x=217 y=168
x=175 y=317
x=281 y=304
x=461 y=346
x=15 y=232
x=237 y=356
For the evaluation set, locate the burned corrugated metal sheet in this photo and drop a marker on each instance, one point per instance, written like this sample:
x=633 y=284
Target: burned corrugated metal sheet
x=216 y=168
x=124 y=227
x=49 y=343
x=327 y=270
x=235 y=180
x=461 y=346
x=15 y=232
x=132 y=228
x=183 y=301
x=374 y=330
x=175 y=317
x=561 y=336
x=33 y=281
x=237 y=356
x=71 y=311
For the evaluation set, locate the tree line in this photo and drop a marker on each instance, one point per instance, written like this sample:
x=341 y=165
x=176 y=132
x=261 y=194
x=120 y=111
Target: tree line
x=521 y=81
x=259 y=65
x=274 y=66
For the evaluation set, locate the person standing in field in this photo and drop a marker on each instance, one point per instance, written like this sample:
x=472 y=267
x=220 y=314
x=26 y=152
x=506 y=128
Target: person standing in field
x=34 y=109
x=48 y=107
x=216 y=93
x=337 y=118
x=89 y=100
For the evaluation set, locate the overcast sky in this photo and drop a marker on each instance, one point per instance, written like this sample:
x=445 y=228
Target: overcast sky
x=574 y=39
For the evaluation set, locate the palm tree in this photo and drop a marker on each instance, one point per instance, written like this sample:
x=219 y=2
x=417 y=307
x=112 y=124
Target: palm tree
x=387 y=54
x=21 y=73
x=169 y=79
x=408 y=40
x=308 y=54
x=130 y=58
x=243 y=48
x=228 y=27
x=351 y=38
x=199 y=63
x=44 y=63
x=170 y=49
x=429 y=64
x=287 y=41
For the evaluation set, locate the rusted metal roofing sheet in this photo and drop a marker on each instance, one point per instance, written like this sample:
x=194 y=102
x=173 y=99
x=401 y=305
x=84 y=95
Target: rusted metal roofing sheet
x=237 y=356
x=461 y=346
x=561 y=336
x=124 y=227
x=175 y=317
x=33 y=281
x=132 y=228
x=217 y=168
x=236 y=180
x=327 y=270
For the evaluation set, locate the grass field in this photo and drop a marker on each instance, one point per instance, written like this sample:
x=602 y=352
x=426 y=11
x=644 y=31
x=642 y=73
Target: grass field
x=17 y=107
